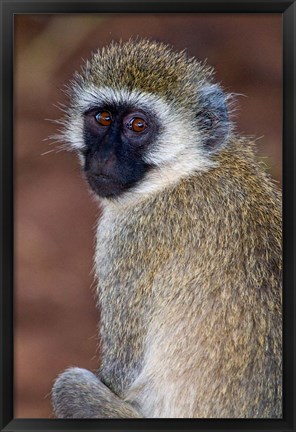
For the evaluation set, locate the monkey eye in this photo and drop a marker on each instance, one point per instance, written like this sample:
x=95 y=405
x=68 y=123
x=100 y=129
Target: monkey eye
x=104 y=118
x=137 y=124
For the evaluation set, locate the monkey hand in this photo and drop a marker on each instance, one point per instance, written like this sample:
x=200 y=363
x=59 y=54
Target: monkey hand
x=78 y=393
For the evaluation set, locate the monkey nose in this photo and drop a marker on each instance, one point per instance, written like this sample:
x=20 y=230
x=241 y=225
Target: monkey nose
x=102 y=164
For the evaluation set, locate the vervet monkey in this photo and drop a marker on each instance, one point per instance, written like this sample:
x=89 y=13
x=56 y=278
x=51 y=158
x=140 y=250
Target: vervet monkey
x=188 y=256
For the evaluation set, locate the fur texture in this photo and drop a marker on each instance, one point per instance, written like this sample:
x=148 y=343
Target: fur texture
x=189 y=270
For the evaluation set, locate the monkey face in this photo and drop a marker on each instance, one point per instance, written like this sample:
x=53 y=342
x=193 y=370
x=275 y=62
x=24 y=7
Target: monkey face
x=115 y=141
x=133 y=143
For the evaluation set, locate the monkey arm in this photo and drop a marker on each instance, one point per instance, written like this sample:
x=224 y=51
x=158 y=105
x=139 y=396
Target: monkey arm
x=78 y=393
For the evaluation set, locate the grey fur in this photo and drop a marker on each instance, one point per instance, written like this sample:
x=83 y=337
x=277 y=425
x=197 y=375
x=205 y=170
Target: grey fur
x=81 y=393
x=189 y=275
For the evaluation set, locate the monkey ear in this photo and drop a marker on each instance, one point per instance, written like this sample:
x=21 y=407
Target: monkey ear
x=213 y=117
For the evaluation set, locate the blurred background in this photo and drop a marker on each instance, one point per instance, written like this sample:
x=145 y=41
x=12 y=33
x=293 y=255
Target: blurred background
x=55 y=315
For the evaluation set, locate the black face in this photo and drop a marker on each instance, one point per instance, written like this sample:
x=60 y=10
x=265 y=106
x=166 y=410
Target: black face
x=115 y=141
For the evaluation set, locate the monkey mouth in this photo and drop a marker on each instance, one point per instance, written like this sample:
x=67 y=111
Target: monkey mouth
x=104 y=185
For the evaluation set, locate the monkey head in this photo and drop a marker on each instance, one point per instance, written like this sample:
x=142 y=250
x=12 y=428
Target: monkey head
x=142 y=116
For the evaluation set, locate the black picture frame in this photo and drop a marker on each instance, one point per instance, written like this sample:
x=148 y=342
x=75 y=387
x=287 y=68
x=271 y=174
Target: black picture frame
x=11 y=7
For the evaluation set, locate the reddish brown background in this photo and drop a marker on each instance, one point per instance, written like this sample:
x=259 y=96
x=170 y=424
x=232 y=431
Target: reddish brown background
x=55 y=320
